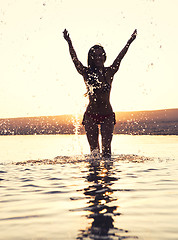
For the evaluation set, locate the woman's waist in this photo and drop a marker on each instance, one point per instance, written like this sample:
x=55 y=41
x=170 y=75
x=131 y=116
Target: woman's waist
x=93 y=114
x=98 y=118
x=99 y=103
x=100 y=110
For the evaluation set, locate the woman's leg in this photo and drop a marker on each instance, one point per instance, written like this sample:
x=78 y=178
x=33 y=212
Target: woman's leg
x=106 y=133
x=92 y=132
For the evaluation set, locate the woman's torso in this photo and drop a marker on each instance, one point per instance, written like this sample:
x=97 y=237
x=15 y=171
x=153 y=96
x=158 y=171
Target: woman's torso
x=98 y=85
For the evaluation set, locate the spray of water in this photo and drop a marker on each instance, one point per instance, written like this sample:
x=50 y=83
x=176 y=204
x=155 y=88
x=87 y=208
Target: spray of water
x=76 y=121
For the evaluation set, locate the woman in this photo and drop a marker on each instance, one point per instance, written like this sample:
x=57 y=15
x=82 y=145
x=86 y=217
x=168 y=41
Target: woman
x=98 y=80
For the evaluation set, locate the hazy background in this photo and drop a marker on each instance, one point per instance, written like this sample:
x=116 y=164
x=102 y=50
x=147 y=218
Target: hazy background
x=37 y=75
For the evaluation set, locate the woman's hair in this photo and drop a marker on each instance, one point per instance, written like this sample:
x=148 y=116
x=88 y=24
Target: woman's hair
x=91 y=53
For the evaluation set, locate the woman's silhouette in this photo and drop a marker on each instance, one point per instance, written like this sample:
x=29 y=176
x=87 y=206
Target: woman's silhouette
x=98 y=80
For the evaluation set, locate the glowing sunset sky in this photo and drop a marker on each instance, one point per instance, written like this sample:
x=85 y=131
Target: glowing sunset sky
x=38 y=77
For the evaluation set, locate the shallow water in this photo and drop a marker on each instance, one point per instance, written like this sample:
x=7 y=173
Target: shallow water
x=50 y=188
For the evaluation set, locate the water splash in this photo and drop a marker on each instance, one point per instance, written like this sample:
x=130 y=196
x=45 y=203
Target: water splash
x=87 y=158
x=76 y=124
x=77 y=146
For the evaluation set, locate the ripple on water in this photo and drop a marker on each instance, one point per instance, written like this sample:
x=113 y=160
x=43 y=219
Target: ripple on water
x=105 y=198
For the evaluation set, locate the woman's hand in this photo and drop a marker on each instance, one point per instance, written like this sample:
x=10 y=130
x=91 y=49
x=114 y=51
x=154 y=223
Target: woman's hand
x=66 y=35
x=133 y=36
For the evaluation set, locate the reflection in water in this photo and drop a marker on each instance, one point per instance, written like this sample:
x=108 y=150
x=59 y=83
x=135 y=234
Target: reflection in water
x=101 y=203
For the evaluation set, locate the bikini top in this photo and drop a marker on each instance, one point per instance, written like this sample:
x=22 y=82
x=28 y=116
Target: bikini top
x=93 y=83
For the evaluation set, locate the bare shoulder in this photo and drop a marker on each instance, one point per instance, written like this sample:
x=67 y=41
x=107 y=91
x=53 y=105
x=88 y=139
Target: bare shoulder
x=85 y=72
x=109 y=73
x=108 y=69
x=80 y=68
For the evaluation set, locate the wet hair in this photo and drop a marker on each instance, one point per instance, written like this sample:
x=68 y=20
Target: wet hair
x=91 y=52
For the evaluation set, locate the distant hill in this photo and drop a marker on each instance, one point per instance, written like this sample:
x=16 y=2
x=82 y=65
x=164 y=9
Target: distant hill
x=62 y=124
x=159 y=122
x=160 y=115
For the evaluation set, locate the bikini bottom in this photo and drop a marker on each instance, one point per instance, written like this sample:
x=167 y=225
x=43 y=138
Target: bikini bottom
x=98 y=118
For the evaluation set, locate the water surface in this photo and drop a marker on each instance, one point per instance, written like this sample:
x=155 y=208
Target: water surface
x=50 y=188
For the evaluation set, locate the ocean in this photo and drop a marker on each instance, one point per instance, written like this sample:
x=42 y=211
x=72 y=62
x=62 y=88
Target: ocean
x=51 y=188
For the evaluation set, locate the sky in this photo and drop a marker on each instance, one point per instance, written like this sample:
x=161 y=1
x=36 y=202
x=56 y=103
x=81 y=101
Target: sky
x=38 y=78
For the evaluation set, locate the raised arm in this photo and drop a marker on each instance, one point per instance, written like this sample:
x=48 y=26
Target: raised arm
x=115 y=66
x=79 y=66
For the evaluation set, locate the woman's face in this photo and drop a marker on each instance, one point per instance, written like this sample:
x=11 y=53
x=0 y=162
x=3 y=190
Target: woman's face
x=98 y=57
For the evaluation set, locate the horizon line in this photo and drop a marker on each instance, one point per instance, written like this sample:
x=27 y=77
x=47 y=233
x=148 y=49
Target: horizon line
x=73 y=114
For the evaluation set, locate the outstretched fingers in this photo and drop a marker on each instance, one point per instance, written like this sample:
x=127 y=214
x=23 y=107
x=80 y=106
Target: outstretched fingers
x=135 y=32
x=66 y=35
x=133 y=36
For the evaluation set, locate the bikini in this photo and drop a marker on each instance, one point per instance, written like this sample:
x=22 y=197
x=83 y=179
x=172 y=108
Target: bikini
x=98 y=118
